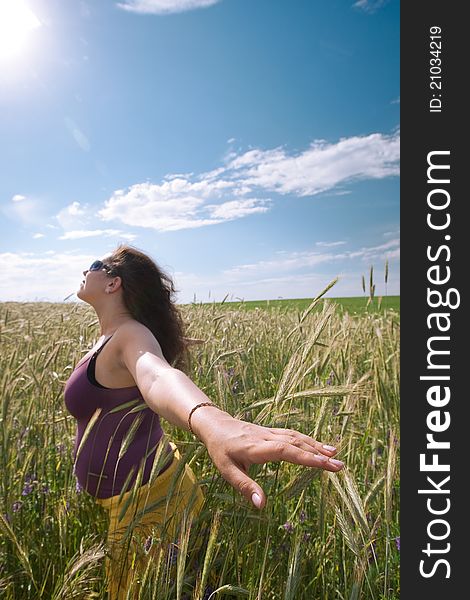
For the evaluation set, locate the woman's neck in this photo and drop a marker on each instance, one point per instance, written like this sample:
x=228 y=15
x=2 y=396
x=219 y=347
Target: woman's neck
x=111 y=318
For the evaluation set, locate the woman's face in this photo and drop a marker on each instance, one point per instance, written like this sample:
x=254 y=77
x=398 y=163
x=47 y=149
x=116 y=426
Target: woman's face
x=94 y=282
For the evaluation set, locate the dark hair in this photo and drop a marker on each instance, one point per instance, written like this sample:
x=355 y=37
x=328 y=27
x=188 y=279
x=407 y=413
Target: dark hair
x=148 y=294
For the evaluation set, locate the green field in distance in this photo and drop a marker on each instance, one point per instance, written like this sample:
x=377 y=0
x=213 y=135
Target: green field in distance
x=352 y=305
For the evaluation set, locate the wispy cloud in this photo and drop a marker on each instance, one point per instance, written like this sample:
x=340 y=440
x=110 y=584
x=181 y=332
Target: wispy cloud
x=393 y=233
x=164 y=7
x=83 y=233
x=235 y=190
x=295 y=275
x=370 y=6
x=295 y=261
x=330 y=244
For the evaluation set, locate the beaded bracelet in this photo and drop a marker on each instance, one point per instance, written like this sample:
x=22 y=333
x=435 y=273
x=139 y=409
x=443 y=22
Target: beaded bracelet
x=193 y=409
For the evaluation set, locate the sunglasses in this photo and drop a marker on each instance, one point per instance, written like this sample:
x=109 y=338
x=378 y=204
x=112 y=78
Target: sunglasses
x=99 y=265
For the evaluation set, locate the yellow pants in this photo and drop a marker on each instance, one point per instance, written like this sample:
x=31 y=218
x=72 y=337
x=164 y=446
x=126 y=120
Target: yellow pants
x=149 y=526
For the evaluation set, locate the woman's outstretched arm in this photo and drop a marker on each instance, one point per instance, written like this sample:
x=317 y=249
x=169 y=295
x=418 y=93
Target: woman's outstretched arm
x=233 y=445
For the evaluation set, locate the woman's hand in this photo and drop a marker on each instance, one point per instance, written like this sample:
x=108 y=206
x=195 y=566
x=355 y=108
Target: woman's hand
x=235 y=445
x=232 y=444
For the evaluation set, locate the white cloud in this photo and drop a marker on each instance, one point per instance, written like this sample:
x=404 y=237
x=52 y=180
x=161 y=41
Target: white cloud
x=235 y=209
x=18 y=198
x=185 y=201
x=75 y=220
x=46 y=276
x=55 y=275
x=178 y=204
x=163 y=7
x=330 y=244
x=73 y=216
x=83 y=233
x=321 y=167
x=38 y=236
x=75 y=209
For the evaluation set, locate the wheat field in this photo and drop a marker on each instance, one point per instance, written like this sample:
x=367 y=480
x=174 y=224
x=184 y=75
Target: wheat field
x=321 y=536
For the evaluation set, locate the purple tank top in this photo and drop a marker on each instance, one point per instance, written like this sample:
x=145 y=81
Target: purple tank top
x=98 y=467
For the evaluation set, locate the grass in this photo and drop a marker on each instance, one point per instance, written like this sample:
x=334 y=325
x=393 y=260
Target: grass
x=325 y=372
x=352 y=305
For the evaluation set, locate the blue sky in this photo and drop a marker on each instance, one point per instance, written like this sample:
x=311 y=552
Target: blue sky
x=250 y=146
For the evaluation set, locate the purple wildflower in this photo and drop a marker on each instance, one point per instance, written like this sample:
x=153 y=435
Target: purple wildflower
x=207 y=592
x=330 y=379
x=148 y=543
x=397 y=542
x=288 y=527
x=302 y=516
x=27 y=489
x=30 y=478
x=78 y=487
x=17 y=505
x=45 y=488
x=306 y=537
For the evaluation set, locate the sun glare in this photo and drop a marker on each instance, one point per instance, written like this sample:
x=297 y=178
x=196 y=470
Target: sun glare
x=17 y=21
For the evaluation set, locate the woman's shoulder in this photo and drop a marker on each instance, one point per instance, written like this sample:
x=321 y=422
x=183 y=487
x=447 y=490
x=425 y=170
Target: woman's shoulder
x=134 y=338
x=132 y=329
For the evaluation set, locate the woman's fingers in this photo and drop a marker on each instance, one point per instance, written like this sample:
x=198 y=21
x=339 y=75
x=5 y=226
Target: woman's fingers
x=296 y=435
x=295 y=441
x=248 y=488
x=267 y=451
x=236 y=445
x=284 y=451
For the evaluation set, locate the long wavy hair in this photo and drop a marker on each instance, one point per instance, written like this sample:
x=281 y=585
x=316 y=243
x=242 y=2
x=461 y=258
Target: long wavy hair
x=149 y=296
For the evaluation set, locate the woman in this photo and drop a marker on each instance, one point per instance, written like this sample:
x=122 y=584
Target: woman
x=117 y=393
